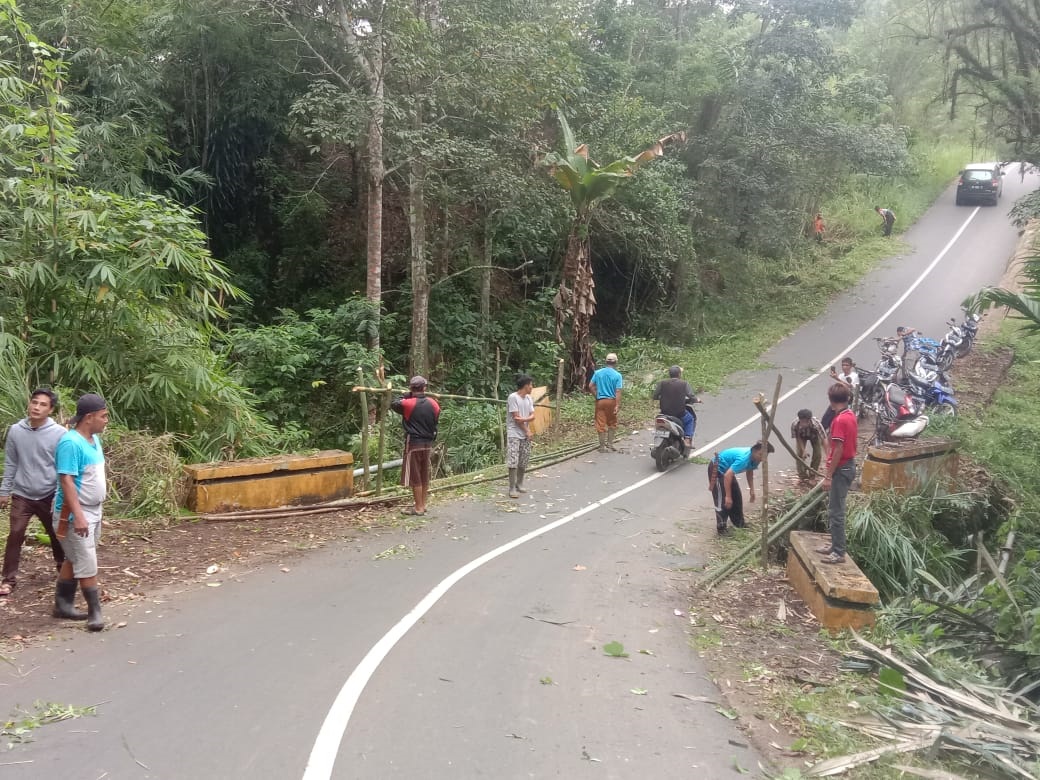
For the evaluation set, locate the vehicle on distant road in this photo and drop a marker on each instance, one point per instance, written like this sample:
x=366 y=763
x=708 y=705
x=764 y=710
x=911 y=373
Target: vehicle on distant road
x=981 y=182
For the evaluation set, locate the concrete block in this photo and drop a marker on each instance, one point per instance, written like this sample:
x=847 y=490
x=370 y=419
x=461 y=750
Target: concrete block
x=840 y=595
x=264 y=483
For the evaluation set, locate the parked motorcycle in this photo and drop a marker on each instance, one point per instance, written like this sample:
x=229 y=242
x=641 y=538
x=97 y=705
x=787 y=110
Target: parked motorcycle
x=931 y=389
x=897 y=415
x=950 y=344
x=970 y=328
x=669 y=438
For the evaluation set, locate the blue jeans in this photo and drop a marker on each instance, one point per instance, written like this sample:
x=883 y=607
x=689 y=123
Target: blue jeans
x=688 y=424
x=840 y=484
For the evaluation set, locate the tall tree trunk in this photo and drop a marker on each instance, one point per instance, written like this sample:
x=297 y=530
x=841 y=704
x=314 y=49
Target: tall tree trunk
x=419 y=357
x=485 y=296
x=374 y=252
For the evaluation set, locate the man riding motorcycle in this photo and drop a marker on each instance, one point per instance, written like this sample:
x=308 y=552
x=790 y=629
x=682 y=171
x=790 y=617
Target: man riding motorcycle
x=674 y=393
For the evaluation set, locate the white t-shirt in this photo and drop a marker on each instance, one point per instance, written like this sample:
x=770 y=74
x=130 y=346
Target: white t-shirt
x=852 y=378
x=523 y=405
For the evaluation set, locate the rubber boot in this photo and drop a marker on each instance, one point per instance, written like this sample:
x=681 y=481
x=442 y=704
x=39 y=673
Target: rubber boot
x=65 y=601
x=603 y=442
x=94 y=619
x=610 y=440
x=520 y=480
x=513 y=493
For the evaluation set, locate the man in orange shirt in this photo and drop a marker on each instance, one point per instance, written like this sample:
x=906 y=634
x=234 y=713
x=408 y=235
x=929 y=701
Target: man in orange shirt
x=818 y=227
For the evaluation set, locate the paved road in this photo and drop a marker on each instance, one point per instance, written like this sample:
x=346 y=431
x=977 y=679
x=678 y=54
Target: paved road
x=440 y=664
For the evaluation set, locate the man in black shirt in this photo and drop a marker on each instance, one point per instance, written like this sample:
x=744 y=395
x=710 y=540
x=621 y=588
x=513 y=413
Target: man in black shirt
x=674 y=393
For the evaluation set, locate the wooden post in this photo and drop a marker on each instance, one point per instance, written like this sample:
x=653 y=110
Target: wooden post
x=501 y=420
x=559 y=392
x=364 y=431
x=767 y=428
x=384 y=408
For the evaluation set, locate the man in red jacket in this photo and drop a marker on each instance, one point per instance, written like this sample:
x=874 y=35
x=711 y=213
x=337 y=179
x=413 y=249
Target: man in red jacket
x=420 y=432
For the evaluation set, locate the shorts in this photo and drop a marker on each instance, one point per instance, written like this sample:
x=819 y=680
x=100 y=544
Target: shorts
x=415 y=471
x=81 y=551
x=606 y=414
x=518 y=453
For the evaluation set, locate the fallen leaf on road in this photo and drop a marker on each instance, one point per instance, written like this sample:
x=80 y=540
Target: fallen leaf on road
x=678 y=612
x=213 y=584
x=121 y=624
x=638 y=691
x=212 y=569
x=726 y=713
x=285 y=569
x=578 y=567
x=690 y=697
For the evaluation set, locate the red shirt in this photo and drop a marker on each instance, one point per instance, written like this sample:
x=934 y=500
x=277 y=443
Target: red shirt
x=845 y=429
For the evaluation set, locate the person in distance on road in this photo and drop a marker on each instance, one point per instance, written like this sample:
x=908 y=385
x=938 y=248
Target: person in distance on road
x=520 y=415
x=419 y=415
x=29 y=481
x=82 y=489
x=888 y=219
x=818 y=227
x=674 y=393
x=605 y=385
x=724 y=486
x=840 y=470
x=807 y=431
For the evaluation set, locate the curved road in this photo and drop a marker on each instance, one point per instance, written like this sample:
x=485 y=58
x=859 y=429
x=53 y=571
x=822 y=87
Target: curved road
x=481 y=655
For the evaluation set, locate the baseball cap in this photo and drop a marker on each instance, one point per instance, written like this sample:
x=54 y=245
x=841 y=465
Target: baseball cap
x=612 y=357
x=417 y=381
x=88 y=403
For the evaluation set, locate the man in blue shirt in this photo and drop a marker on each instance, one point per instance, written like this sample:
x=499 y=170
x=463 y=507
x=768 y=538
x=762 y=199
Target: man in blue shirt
x=605 y=385
x=82 y=489
x=725 y=489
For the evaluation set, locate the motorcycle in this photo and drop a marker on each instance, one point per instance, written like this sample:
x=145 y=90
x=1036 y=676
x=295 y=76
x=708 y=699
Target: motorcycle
x=970 y=328
x=932 y=390
x=897 y=415
x=950 y=344
x=669 y=438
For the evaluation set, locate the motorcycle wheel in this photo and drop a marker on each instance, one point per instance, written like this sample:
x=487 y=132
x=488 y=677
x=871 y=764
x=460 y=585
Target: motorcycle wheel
x=945 y=360
x=963 y=349
x=945 y=410
x=661 y=459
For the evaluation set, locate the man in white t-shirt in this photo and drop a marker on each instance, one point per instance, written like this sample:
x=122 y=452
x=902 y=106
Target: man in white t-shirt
x=849 y=377
x=519 y=415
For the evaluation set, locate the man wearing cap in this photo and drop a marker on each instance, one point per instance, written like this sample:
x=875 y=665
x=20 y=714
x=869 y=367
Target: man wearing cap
x=29 y=480
x=82 y=489
x=606 y=385
x=420 y=415
x=674 y=393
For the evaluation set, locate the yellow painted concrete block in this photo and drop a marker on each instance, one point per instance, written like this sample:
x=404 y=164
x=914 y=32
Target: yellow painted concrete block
x=840 y=595
x=264 y=483
x=905 y=466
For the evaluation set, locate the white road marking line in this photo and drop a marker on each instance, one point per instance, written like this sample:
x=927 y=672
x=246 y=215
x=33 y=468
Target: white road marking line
x=326 y=746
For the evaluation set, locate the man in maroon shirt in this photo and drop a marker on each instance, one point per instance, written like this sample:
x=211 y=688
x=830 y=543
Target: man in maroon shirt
x=420 y=432
x=840 y=470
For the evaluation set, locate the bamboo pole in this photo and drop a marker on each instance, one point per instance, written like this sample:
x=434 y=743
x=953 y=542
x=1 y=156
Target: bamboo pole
x=384 y=408
x=364 y=431
x=559 y=392
x=767 y=428
x=762 y=411
x=494 y=389
x=784 y=524
x=479 y=399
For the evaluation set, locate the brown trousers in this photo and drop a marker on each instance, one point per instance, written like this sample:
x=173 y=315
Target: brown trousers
x=22 y=511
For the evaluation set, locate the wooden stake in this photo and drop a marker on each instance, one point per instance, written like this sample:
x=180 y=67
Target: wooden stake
x=384 y=407
x=559 y=392
x=364 y=430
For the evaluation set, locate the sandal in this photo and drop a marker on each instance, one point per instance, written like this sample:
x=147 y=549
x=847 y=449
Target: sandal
x=412 y=512
x=6 y=589
x=833 y=557
x=826 y=550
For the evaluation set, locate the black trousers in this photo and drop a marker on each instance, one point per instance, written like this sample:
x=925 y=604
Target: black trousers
x=735 y=514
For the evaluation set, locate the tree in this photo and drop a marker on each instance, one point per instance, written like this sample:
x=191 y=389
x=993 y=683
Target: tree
x=106 y=292
x=587 y=183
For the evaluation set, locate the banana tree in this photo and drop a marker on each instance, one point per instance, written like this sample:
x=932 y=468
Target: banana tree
x=588 y=184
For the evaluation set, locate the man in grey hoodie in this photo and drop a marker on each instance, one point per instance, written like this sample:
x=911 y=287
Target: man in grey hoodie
x=30 y=480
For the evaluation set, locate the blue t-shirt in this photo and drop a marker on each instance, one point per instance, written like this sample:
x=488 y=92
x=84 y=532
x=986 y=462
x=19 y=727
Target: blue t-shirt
x=85 y=461
x=736 y=458
x=607 y=381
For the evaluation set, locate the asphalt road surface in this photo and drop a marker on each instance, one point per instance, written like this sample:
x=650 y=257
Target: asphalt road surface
x=477 y=649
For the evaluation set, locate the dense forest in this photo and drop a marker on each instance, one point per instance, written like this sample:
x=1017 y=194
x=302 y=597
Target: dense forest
x=216 y=211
